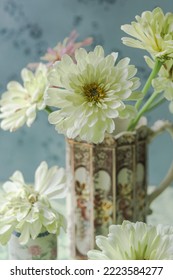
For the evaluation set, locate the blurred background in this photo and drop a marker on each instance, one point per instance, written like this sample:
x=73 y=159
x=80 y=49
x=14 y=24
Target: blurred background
x=27 y=29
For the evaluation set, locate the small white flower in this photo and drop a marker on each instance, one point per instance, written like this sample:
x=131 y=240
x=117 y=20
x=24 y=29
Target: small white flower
x=90 y=93
x=19 y=104
x=29 y=209
x=135 y=241
x=152 y=31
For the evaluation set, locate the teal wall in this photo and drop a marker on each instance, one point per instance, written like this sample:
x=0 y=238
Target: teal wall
x=27 y=28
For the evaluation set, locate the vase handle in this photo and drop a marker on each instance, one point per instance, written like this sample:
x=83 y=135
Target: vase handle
x=158 y=128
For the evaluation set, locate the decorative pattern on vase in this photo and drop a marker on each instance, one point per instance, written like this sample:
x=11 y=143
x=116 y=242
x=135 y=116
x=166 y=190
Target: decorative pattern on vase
x=44 y=247
x=141 y=174
x=131 y=175
x=80 y=210
x=103 y=182
x=108 y=185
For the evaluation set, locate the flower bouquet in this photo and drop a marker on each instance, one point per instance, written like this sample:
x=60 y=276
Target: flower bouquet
x=29 y=218
x=101 y=110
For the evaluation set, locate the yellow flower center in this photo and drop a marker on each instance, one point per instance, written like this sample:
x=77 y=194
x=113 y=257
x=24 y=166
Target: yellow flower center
x=33 y=198
x=94 y=92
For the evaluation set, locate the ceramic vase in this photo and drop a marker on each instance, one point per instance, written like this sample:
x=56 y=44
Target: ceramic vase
x=108 y=183
x=44 y=247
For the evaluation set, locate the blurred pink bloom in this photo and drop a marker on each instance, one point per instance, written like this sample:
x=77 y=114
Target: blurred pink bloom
x=68 y=46
x=35 y=250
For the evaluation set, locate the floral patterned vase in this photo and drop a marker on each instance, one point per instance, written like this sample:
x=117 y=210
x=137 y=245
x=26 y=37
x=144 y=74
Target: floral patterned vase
x=44 y=247
x=107 y=184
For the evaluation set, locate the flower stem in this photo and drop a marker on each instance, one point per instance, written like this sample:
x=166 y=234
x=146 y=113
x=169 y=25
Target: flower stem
x=143 y=110
x=146 y=87
x=147 y=106
x=156 y=104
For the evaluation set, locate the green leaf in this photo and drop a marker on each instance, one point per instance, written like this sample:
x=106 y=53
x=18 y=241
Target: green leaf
x=135 y=95
x=128 y=112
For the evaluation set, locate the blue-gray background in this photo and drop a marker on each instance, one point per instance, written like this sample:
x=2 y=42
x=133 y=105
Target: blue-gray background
x=27 y=28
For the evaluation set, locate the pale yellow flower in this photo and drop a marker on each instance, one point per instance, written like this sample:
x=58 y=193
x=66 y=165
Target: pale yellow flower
x=152 y=31
x=29 y=209
x=135 y=241
x=20 y=103
x=90 y=93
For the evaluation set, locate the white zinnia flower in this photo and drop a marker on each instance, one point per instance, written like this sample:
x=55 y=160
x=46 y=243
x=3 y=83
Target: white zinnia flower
x=152 y=31
x=90 y=93
x=19 y=104
x=135 y=241
x=29 y=209
x=164 y=81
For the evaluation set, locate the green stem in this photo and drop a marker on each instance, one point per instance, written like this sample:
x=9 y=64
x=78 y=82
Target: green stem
x=147 y=85
x=143 y=110
x=48 y=109
x=156 y=104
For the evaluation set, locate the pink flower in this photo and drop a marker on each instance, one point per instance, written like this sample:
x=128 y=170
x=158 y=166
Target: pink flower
x=35 y=250
x=67 y=47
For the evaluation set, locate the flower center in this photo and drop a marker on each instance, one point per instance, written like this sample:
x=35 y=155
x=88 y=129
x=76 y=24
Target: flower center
x=33 y=198
x=94 y=92
x=141 y=254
